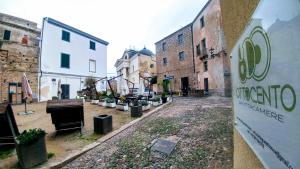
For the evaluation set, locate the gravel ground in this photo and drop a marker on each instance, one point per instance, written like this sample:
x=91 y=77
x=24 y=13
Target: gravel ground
x=202 y=128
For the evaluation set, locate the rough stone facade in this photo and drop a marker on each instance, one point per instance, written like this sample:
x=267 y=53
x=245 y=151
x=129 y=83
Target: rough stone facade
x=18 y=55
x=206 y=69
x=213 y=52
x=173 y=66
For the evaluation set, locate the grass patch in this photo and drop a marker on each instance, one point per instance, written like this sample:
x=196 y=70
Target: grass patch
x=132 y=152
x=163 y=126
x=50 y=155
x=6 y=153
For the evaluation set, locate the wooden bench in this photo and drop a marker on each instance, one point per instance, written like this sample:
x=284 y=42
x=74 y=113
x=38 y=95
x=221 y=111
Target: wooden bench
x=66 y=114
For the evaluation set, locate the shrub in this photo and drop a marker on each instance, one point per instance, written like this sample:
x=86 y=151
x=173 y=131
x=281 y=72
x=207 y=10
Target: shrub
x=109 y=100
x=31 y=136
x=144 y=103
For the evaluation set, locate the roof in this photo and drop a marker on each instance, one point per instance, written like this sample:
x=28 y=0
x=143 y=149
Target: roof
x=207 y=3
x=146 y=51
x=70 y=28
x=190 y=24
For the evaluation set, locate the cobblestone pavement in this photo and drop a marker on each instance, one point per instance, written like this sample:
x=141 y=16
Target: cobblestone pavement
x=201 y=127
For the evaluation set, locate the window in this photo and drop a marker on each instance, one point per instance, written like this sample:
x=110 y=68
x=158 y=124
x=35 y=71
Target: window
x=180 y=39
x=132 y=68
x=181 y=56
x=92 y=66
x=165 y=61
x=164 y=46
x=205 y=66
x=152 y=65
x=65 y=60
x=198 y=50
x=92 y=45
x=6 y=35
x=203 y=43
x=65 y=36
x=202 y=22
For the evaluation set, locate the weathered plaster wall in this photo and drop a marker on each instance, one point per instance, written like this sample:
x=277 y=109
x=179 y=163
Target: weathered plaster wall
x=235 y=16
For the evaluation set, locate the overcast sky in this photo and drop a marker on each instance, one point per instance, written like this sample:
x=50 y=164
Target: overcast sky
x=123 y=23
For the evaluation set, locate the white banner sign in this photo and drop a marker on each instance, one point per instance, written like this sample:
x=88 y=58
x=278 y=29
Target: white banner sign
x=266 y=83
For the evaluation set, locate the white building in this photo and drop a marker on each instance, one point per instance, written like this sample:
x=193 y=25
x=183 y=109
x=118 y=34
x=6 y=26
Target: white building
x=69 y=55
x=131 y=65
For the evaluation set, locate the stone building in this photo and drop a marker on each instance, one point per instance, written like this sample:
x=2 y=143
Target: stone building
x=175 y=59
x=195 y=55
x=132 y=66
x=212 y=65
x=19 y=50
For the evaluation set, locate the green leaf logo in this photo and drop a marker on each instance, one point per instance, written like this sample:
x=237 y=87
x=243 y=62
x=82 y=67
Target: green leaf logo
x=254 y=56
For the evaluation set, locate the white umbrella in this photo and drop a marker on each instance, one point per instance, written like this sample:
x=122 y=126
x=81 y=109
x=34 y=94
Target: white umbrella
x=27 y=92
x=59 y=89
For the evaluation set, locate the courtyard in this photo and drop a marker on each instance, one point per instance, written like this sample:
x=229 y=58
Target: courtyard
x=62 y=144
x=200 y=128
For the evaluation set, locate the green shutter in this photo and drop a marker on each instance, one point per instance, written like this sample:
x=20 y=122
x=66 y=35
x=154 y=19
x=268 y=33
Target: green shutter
x=65 y=60
x=6 y=35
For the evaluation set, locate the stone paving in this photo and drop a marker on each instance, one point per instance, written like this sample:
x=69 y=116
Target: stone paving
x=201 y=128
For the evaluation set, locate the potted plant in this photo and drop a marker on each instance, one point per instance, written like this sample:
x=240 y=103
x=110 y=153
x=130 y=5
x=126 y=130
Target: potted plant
x=102 y=99
x=31 y=148
x=122 y=105
x=145 y=105
x=110 y=102
x=163 y=97
x=136 y=109
x=156 y=101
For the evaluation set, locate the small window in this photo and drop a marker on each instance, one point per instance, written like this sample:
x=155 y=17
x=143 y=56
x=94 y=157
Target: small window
x=65 y=36
x=198 y=50
x=92 y=45
x=165 y=61
x=205 y=66
x=152 y=65
x=181 y=56
x=203 y=43
x=164 y=46
x=6 y=35
x=92 y=65
x=202 y=22
x=65 y=60
x=180 y=39
x=132 y=68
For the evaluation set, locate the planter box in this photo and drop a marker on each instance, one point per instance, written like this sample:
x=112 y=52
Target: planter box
x=156 y=103
x=144 y=108
x=103 y=124
x=110 y=105
x=164 y=100
x=122 y=107
x=32 y=154
x=103 y=104
x=136 y=111
x=94 y=101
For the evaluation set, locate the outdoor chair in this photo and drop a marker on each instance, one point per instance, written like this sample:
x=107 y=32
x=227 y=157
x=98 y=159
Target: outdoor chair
x=8 y=125
x=66 y=114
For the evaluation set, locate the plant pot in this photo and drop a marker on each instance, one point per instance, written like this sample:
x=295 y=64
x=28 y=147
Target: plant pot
x=32 y=154
x=155 y=104
x=164 y=99
x=94 y=101
x=111 y=105
x=102 y=124
x=144 y=108
x=122 y=107
x=136 y=111
x=103 y=104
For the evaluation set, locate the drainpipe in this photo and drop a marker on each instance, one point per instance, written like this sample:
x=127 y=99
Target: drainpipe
x=40 y=60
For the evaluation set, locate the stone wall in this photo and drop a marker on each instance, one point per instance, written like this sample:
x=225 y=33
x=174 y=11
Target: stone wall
x=175 y=67
x=18 y=56
x=236 y=15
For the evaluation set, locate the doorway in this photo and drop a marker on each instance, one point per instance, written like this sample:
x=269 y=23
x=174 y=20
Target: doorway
x=206 y=86
x=184 y=85
x=65 y=91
